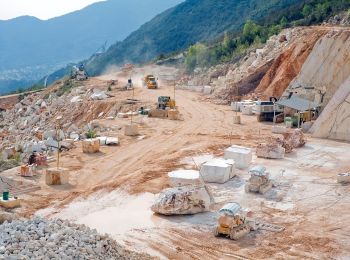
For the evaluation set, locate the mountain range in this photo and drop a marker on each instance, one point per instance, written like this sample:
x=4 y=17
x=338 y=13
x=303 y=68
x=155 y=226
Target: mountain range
x=31 y=48
x=187 y=23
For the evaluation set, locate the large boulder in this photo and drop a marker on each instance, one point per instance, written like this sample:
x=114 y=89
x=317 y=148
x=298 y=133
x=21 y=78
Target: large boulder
x=182 y=201
x=271 y=150
x=294 y=139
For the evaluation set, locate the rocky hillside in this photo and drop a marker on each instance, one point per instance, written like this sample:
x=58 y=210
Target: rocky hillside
x=287 y=65
x=190 y=22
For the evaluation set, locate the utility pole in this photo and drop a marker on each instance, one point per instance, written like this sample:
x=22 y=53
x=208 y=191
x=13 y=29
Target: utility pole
x=58 y=138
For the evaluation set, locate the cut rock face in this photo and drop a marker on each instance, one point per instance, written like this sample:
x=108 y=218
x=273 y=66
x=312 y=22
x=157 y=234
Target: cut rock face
x=218 y=170
x=182 y=201
x=242 y=156
x=185 y=177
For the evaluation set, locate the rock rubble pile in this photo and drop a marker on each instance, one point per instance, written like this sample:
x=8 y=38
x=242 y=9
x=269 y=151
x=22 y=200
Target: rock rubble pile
x=38 y=238
x=30 y=124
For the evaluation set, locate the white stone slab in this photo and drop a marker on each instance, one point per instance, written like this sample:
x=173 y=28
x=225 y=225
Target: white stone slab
x=241 y=155
x=218 y=170
x=279 y=129
x=112 y=141
x=102 y=139
x=185 y=177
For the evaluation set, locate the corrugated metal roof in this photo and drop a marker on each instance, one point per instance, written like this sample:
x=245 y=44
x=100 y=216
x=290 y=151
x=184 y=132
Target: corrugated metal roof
x=298 y=103
x=230 y=208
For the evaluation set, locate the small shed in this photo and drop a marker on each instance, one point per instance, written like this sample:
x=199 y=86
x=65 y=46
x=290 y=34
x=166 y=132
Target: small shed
x=298 y=104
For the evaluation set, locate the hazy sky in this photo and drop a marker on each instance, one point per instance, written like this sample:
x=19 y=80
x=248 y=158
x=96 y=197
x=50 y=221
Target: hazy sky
x=43 y=9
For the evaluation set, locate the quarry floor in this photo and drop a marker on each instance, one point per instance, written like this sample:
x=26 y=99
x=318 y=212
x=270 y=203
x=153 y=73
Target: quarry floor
x=112 y=191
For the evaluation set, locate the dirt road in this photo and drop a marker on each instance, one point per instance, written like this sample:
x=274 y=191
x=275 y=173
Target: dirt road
x=129 y=175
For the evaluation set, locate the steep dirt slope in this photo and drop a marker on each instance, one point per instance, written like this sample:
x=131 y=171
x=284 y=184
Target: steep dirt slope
x=288 y=65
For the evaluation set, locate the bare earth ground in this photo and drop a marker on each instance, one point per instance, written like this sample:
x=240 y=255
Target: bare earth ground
x=113 y=190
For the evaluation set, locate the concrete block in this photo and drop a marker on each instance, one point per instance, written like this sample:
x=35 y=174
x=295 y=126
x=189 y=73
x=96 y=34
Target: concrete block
x=343 y=178
x=91 y=146
x=131 y=130
x=218 y=170
x=235 y=106
x=237 y=120
x=241 y=155
x=185 y=177
x=10 y=203
x=56 y=176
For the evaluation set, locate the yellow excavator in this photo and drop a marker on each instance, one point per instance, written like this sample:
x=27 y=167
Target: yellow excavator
x=150 y=82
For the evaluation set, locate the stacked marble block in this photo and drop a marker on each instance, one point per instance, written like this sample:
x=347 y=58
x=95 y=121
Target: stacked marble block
x=221 y=170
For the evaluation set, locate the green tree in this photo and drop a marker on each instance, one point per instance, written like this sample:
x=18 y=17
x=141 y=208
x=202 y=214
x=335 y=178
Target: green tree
x=284 y=22
x=306 y=10
x=250 y=31
x=198 y=55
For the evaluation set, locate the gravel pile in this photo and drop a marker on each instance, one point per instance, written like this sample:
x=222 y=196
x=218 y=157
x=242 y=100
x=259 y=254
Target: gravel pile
x=38 y=238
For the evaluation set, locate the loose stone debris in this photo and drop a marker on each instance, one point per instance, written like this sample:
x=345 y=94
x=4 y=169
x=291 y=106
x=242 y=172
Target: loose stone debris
x=39 y=238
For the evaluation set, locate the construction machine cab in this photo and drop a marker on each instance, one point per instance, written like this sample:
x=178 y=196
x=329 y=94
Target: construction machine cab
x=165 y=102
x=150 y=82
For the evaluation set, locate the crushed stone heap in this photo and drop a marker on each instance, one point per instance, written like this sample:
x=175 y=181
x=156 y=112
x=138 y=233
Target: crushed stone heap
x=38 y=238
